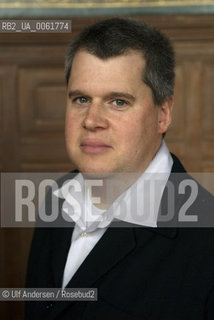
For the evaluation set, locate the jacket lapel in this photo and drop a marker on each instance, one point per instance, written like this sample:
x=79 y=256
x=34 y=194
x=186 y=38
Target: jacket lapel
x=171 y=200
x=61 y=241
x=115 y=244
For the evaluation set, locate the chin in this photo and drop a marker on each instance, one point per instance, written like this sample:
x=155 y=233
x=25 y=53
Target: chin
x=95 y=173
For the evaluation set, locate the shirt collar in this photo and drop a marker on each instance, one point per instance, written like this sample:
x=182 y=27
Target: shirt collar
x=139 y=204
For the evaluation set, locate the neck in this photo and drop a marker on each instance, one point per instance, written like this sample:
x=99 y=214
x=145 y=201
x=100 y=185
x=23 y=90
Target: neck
x=108 y=187
x=105 y=190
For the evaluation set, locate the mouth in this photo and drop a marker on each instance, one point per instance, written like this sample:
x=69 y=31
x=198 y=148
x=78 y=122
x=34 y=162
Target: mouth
x=94 y=146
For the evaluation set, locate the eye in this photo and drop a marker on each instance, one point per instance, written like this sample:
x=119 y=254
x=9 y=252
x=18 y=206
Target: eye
x=81 y=100
x=120 y=103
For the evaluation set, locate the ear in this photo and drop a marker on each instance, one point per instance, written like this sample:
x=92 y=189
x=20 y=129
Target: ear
x=165 y=115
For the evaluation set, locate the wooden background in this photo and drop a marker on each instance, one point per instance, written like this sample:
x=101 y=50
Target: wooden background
x=32 y=108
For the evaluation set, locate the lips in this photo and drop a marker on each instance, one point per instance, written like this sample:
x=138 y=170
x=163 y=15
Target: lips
x=94 y=146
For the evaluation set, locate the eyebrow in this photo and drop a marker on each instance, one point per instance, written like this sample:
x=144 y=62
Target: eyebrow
x=76 y=93
x=121 y=95
x=112 y=94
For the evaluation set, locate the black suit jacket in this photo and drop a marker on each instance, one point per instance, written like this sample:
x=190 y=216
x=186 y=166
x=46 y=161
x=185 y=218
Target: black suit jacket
x=164 y=273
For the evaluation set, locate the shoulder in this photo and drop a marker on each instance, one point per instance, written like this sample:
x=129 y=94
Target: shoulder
x=185 y=202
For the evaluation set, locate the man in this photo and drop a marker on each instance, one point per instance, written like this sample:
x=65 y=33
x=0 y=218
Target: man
x=120 y=76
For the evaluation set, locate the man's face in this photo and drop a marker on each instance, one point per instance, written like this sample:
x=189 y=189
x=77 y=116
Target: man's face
x=112 y=124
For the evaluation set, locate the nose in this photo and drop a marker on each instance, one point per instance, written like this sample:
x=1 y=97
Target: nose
x=95 y=118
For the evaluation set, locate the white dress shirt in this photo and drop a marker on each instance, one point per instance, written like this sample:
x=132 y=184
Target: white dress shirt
x=139 y=204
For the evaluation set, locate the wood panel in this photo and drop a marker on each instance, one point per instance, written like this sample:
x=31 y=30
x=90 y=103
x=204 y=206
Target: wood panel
x=42 y=125
x=208 y=115
x=194 y=100
x=32 y=109
x=42 y=89
x=8 y=130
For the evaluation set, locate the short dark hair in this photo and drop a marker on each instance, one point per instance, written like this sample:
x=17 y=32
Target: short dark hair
x=117 y=36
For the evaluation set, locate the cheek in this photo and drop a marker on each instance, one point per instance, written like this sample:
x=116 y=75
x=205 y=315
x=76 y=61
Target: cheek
x=131 y=134
x=71 y=125
x=149 y=123
x=138 y=131
x=68 y=126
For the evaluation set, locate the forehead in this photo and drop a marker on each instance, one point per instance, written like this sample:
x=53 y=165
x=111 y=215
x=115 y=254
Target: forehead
x=88 y=68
